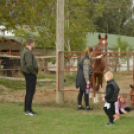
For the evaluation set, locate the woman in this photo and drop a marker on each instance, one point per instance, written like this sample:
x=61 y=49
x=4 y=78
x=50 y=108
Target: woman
x=83 y=76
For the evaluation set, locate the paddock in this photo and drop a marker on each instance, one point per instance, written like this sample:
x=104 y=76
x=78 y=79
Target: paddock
x=71 y=70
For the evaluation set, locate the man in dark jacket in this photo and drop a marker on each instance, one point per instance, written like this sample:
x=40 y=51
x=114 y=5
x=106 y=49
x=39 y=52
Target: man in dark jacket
x=29 y=68
x=112 y=91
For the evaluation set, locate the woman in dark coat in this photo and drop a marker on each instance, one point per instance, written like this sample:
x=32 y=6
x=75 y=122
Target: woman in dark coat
x=83 y=76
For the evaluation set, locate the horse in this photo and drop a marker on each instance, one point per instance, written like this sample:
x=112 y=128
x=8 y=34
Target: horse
x=132 y=95
x=99 y=65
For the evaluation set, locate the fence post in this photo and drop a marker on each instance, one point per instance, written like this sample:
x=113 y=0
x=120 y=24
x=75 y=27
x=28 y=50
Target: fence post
x=0 y=66
x=107 y=61
x=60 y=56
x=128 y=65
x=45 y=65
x=119 y=59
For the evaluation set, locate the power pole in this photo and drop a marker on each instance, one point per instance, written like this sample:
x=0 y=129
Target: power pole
x=60 y=47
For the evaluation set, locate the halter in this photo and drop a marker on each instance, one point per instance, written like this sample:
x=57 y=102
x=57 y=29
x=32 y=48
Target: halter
x=103 y=47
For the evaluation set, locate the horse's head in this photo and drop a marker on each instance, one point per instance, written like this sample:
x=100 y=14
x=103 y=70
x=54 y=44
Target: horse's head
x=102 y=46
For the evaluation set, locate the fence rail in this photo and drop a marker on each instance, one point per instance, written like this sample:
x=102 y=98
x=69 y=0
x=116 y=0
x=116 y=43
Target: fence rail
x=22 y=79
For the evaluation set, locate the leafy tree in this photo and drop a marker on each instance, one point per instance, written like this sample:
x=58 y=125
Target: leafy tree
x=36 y=18
x=117 y=17
x=31 y=19
x=122 y=44
x=78 y=21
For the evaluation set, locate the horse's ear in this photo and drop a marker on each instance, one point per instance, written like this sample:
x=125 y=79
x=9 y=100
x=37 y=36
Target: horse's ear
x=131 y=86
x=106 y=36
x=99 y=36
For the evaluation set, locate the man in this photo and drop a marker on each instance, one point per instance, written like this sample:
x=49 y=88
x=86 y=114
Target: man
x=29 y=68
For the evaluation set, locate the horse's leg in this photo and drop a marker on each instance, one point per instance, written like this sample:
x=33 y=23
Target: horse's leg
x=101 y=80
x=95 y=97
x=92 y=85
x=94 y=81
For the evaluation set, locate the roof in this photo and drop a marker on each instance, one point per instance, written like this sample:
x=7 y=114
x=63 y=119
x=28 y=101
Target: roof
x=9 y=34
x=92 y=39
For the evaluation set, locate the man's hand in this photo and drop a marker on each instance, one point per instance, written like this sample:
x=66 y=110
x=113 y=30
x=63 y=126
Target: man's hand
x=103 y=99
x=88 y=82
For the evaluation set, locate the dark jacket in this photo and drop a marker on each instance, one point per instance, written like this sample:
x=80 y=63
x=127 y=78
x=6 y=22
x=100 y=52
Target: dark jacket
x=28 y=63
x=112 y=91
x=83 y=75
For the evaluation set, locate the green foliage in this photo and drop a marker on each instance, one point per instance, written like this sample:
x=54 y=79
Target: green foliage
x=117 y=17
x=78 y=21
x=13 y=84
x=37 y=19
x=122 y=44
x=31 y=19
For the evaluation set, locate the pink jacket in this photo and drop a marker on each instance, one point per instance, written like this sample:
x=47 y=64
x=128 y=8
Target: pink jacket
x=119 y=105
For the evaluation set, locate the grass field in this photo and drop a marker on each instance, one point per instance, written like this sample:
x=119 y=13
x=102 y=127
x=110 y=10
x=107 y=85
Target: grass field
x=59 y=120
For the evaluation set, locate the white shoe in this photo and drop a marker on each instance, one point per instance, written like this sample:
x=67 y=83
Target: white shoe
x=28 y=113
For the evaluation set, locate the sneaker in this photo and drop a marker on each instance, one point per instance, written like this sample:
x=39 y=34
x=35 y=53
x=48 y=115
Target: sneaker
x=109 y=124
x=80 y=108
x=115 y=119
x=33 y=112
x=88 y=108
x=28 y=113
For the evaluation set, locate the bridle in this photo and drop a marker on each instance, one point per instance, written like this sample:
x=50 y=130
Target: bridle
x=103 y=47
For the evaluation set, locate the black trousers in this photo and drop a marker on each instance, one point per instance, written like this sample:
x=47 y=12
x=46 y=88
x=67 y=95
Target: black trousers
x=30 y=90
x=110 y=112
x=86 y=97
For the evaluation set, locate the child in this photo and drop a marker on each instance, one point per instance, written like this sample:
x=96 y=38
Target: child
x=112 y=91
x=120 y=106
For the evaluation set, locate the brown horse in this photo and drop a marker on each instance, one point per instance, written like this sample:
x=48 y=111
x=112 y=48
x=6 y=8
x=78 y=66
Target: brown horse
x=99 y=65
x=132 y=96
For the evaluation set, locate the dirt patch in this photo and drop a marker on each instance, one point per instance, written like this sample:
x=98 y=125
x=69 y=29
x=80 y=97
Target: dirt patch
x=49 y=95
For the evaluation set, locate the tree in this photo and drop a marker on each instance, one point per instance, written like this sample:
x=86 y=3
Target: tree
x=31 y=19
x=117 y=17
x=78 y=22
x=38 y=18
x=122 y=44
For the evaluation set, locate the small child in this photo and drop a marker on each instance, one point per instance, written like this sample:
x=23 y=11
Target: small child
x=112 y=91
x=120 y=106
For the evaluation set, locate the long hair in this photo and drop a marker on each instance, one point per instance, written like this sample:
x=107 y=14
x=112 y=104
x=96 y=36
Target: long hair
x=87 y=52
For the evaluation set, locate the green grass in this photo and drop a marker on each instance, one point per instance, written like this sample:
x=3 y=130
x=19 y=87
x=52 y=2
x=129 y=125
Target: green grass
x=70 y=79
x=56 y=120
x=15 y=85
x=49 y=76
x=19 y=85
